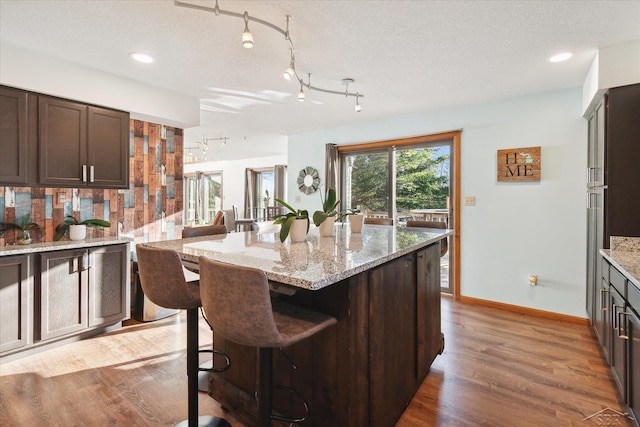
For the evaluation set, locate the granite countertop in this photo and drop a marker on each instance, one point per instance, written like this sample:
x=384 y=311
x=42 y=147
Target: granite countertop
x=315 y=263
x=60 y=245
x=625 y=256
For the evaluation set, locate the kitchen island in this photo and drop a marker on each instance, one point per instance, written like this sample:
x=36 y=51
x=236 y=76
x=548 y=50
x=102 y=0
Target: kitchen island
x=383 y=287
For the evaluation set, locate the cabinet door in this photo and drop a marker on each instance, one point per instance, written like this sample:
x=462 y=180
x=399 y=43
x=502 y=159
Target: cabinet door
x=108 y=148
x=618 y=356
x=63 y=142
x=15 y=283
x=428 y=305
x=392 y=339
x=13 y=136
x=633 y=373
x=63 y=292
x=602 y=321
x=108 y=285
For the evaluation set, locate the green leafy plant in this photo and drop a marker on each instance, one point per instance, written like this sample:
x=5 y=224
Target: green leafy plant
x=69 y=220
x=25 y=226
x=286 y=220
x=329 y=205
x=345 y=213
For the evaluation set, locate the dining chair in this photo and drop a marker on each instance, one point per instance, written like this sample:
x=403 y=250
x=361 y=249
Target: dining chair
x=444 y=243
x=379 y=221
x=203 y=230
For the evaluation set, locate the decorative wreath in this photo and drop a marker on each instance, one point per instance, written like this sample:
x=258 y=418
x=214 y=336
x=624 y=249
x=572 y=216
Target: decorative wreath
x=308 y=180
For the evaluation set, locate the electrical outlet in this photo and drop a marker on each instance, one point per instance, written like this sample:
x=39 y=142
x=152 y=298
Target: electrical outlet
x=61 y=198
x=297 y=199
x=470 y=201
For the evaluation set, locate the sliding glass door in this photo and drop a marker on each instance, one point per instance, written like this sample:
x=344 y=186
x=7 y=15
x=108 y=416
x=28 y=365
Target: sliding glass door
x=406 y=182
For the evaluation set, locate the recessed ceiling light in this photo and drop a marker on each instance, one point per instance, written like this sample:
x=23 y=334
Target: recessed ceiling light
x=561 y=57
x=141 y=57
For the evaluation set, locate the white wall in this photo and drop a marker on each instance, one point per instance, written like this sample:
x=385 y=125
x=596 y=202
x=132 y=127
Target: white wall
x=614 y=66
x=515 y=228
x=44 y=74
x=233 y=176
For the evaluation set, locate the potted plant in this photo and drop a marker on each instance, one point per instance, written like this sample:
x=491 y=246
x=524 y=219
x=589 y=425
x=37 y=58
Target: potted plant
x=77 y=229
x=24 y=229
x=356 y=219
x=327 y=216
x=295 y=221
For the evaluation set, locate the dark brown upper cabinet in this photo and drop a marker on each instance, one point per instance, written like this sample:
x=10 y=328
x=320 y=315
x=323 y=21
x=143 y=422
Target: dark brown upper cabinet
x=81 y=145
x=13 y=136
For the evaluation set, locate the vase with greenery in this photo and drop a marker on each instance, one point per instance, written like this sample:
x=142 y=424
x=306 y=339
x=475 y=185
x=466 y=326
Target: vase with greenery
x=356 y=219
x=69 y=222
x=327 y=216
x=295 y=221
x=24 y=229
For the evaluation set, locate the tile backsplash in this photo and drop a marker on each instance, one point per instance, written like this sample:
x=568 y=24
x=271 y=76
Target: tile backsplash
x=151 y=209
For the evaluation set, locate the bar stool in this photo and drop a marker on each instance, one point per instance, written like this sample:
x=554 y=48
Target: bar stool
x=164 y=283
x=239 y=305
x=444 y=243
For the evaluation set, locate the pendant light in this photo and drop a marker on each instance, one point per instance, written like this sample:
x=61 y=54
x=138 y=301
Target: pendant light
x=247 y=38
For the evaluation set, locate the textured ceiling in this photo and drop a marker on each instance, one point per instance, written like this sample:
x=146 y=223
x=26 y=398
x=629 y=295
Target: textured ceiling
x=405 y=56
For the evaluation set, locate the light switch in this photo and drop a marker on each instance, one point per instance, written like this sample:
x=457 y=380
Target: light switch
x=470 y=201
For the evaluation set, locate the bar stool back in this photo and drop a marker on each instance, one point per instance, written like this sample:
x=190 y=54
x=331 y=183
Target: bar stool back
x=203 y=230
x=239 y=305
x=378 y=221
x=163 y=282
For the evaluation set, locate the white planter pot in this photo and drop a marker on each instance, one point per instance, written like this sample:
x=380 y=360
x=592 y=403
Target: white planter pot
x=298 y=231
x=77 y=232
x=355 y=223
x=326 y=228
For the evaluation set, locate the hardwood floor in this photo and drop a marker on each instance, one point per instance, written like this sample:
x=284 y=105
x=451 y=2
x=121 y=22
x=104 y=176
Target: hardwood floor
x=498 y=369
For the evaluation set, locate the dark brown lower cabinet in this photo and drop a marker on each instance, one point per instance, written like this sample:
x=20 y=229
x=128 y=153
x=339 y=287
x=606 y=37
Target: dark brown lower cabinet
x=633 y=352
x=618 y=356
x=365 y=370
x=15 y=288
x=63 y=293
x=49 y=296
x=622 y=347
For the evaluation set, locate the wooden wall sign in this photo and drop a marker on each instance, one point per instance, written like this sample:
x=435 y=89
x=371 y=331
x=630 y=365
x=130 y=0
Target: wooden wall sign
x=519 y=164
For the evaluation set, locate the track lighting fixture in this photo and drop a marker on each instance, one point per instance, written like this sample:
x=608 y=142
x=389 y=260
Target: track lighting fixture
x=247 y=42
x=247 y=38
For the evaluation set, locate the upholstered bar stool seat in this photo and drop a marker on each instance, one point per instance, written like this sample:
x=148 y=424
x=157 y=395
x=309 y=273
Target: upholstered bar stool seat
x=239 y=305
x=166 y=283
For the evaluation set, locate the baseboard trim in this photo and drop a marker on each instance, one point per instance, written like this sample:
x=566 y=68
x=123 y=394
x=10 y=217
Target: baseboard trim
x=525 y=310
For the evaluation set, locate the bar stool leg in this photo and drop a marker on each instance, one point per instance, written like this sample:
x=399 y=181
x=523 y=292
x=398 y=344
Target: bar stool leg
x=265 y=380
x=192 y=378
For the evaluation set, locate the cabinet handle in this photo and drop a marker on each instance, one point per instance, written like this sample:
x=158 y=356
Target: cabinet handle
x=616 y=317
x=84 y=173
x=621 y=321
x=90 y=173
x=602 y=299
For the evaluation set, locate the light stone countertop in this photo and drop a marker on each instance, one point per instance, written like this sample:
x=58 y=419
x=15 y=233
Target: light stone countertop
x=314 y=264
x=61 y=245
x=628 y=262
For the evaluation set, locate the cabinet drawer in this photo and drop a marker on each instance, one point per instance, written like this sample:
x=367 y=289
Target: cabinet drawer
x=618 y=281
x=633 y=299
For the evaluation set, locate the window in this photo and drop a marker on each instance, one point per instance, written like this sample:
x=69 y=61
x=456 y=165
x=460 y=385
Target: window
x=203 y=196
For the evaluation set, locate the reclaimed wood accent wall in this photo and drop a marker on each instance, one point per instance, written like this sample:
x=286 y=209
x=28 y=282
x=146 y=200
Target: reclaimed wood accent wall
x=150 y=210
